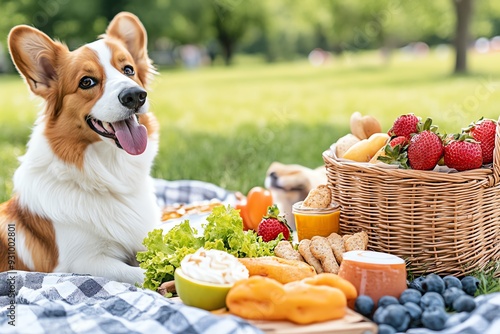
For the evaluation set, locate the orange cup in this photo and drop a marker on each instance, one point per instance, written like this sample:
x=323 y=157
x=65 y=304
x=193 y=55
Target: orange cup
x=310 y=222
x=374 y=274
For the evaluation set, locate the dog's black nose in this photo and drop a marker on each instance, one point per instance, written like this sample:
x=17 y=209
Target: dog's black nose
x=133 y=97
x=273 y=175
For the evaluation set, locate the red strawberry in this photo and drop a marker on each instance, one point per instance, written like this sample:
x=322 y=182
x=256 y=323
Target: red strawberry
x=463 y=154
x=483 y=131
x=400 y=140
x=425 y=148
x=404 y=125
x=272 y=225
x=395 y=152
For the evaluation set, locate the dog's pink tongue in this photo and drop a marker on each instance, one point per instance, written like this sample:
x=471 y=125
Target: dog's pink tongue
x=132 y=136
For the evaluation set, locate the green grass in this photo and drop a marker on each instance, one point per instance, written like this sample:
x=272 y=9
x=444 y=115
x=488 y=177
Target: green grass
x=488 y=283
x=226 y=125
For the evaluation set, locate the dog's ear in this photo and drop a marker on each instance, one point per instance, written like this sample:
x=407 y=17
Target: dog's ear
x=128 y=28
x=35 y=56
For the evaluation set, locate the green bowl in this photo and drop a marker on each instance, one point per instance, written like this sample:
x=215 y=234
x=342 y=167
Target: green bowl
x=207 y=296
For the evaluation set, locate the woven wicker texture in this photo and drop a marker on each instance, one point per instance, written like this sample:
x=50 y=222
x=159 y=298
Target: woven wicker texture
x=445 y=223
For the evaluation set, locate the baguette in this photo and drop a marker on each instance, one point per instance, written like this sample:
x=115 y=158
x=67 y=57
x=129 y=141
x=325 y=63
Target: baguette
x=282 y=270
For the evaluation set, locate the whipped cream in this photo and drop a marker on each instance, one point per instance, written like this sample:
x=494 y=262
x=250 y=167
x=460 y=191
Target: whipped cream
x=213 y=266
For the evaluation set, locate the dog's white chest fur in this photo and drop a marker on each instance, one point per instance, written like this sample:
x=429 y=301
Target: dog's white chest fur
x=104 y=209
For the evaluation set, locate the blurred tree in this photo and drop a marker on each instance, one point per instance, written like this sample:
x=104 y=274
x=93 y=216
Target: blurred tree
x=73 y=22
x=463 y=11
x=232 y=19
x=486 y=19
x=294 y=28
x=182 y=22
x=279 y=29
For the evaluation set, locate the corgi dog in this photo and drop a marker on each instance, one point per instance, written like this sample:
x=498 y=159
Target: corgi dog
x=290 y=184
x=83 y=198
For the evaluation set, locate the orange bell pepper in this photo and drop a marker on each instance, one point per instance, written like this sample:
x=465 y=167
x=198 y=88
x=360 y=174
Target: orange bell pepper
x=258 y=200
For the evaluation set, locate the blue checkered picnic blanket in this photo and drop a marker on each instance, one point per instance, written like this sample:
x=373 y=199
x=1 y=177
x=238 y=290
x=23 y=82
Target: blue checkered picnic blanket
x=190 y=191
x=67 y=303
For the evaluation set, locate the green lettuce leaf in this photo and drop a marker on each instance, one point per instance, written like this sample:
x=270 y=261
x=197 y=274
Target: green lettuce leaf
x=223 y=231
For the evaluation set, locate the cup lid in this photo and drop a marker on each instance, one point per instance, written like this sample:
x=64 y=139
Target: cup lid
x=300 y=207
x=372 y=257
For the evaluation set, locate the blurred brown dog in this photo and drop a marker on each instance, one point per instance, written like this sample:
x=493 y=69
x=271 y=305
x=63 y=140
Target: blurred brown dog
x=290 y=184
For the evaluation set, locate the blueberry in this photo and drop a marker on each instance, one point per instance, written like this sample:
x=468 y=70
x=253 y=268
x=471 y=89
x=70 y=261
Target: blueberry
x=433 y=283
x=417 y=284
x=451 y=294
x=396 y=315
x=387 y=300
x=379 y=315
x=470 y=285
x=464 y=303
x=431 y=299
x=434 y=318
x=452 y=281
x=386 y=329
x=415 y=313
x=410 y=295
x=364 y=305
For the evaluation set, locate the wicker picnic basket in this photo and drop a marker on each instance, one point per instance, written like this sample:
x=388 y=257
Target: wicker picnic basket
x=445 y=223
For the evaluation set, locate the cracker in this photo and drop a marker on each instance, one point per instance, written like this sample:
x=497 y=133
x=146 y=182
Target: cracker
x=337 y=245
x=305 y=251
x=285 y=250
x=320 y=248
x=356 y=242
x=346 y=236
x=319 y=197
x=364 y=235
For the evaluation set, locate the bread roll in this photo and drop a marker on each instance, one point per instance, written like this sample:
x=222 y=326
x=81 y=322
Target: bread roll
x=282 y=270
x=344 y=143
x=356 y=125
x=370 y=125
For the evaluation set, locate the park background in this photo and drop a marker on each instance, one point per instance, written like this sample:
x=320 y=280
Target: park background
x=243 y=83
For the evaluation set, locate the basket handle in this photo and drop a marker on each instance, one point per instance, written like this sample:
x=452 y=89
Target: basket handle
x=496 y=154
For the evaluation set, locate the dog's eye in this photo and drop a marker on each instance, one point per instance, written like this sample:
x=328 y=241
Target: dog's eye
x=128 y=70
x=87 y=82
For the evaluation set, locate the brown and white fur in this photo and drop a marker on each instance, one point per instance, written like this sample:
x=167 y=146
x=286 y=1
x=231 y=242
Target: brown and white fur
x=83 y=197
x=290 y=184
